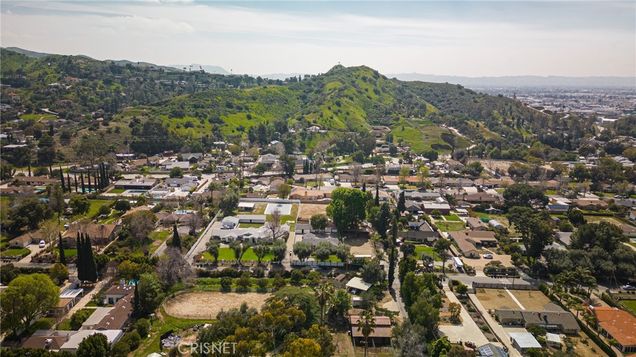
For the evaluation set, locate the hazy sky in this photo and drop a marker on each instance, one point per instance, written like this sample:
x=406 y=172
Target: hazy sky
x=456 y=38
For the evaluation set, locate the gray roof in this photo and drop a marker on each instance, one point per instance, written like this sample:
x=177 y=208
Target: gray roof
x=525 y=340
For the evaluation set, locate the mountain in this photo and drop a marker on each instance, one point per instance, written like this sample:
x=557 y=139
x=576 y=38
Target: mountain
x=28 y=53
x=140 y=103
x=198 y=67
x=523 y=81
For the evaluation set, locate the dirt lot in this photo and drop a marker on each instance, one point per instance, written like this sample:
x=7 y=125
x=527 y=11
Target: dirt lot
x=532 y=300
x=206 y=305
x=496 y=299
x=480 y=263
x=360 y=246
x=309 y=209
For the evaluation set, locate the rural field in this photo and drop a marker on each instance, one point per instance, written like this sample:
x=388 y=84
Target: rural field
x=496 y=299
x=206 y=305
x=309 y=209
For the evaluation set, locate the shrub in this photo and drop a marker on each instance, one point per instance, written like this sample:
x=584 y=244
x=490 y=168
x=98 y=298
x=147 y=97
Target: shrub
x=143 y=327
x=226 y=284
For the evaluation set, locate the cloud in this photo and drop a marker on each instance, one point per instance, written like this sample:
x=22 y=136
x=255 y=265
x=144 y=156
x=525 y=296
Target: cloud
x=311 y=39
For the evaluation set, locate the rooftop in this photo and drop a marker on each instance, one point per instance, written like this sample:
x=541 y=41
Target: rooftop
x=618 y=323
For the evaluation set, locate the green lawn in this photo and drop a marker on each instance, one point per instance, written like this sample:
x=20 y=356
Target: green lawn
x=4 y=206
x=159 y=235
x=629 y=305
x=450 y=226
x=117 y=190
x=452 y=217
x=250 y=225
x=161 y=326
x=36 y=116
x=70 y=253
x=93 y=209
x=15 y=252
x=420 y=249
x=228 y=254
x=64 y=325
x=332 y=259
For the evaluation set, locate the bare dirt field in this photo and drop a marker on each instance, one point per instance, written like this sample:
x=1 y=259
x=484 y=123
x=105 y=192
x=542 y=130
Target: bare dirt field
x=480 y=263
x=532 y=300
x=360 y=246
x=309 y=209
x=206 y=305
x=496 y=299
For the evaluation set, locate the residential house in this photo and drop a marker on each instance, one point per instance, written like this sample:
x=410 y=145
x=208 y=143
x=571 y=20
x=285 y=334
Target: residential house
x=356 y=285
x=475 y=224
x=555 y=321
x=136 y=184
x=117 y=292
x=419 y=231
x=100 y=234
x=379 y=336
x=618 y=325
x=469 y=242
x=524 y=341
x=112 y=336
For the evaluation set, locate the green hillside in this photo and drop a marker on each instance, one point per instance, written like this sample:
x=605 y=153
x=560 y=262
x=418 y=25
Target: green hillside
x=141 y=101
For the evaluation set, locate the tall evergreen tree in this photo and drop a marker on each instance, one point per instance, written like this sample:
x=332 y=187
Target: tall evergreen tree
x=62 y=180
x=60 y=246
x=364 y=186
x=176 y=240
x=91 y=267
x=377 y=195
x=137 y=308
x=81 y=270
x=401 y=205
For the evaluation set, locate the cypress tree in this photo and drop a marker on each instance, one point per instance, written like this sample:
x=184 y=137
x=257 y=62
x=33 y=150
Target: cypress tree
x=137 y=311
x=364 y=186
x=75 y=179
x=377 y=195
x=81 y=271
x=91 y=267
x=401 y=205
x=176 y=240
x=89 y=180
x=68 y=181
x=62 y=180
x=60 y=246
x=82 y=179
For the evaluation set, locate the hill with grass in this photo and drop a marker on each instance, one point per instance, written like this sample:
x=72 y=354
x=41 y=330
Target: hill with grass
x=139 y=103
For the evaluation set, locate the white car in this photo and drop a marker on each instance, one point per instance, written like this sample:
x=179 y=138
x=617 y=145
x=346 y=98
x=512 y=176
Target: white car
x=42 y=244
x=628 y=287
x=488 y=256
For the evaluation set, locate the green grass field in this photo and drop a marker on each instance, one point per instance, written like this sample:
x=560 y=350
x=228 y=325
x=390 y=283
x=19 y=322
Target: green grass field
x=452 y=217
x=117 y=190
x=159 y=235
x=15 y=252
x=228 y=254
x=629 y=305
x=420 y=249
x=450 y=226
x=37 y=117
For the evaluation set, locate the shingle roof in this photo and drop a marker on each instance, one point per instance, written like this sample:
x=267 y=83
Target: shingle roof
x=618 y=323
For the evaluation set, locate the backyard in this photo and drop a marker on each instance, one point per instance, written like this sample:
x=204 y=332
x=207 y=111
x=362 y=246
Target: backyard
x=206 y=305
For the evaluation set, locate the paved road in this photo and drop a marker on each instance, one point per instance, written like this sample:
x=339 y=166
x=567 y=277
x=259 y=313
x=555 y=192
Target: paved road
x=495 y=326
x=395 y=288
x=201 y=244
x=468 y=330
x=289 y=253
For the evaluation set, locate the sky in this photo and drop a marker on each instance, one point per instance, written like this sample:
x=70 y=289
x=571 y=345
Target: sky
x=465 y=38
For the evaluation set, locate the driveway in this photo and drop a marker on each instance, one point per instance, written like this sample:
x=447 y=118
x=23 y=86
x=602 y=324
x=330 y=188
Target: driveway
x=468 y=330
x=495 y=326
x=200 y=245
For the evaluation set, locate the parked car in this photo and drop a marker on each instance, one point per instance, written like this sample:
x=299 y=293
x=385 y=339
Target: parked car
x=488 y=256
x=628 y=287
x=42 y=244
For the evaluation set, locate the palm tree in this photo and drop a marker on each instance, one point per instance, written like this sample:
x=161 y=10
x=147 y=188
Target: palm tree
x=324 y=293
x=239 y=248
x=366 y=325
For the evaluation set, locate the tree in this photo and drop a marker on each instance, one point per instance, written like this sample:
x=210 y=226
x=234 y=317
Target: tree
x=405 y=171
x=58 y=273
x=260 y=251
x=322 y=335
x=150 y=293
x=382 y=220
x=238 y=248
x=366 y=325
x=303 y=347
x=303 y=250
x=176 y=172
x=25 y=298
x=520 y=194
x=356 y=170
x=173 y=268
x=409 y=340
x=90 y=148
x=56 y=201
x=535 y=229
x=442 y=247
x=373 y=272
x=86 y=267
x=454 y=309
x=440 y=347
x=284 y=190
x=274 y=223
x=347 y=208
x=401 y=205
x=26 y=212
x=60 y=247
x=340 y=304
x=79 y=204
x=95 y=345
x=78 y=318
x=422 y=175
x=288 y=165
x=324 y=293
x=318 y=222
x=576 y=217
x=175 y=242
x=213 y=249
x=229 y=202
x=140 y=224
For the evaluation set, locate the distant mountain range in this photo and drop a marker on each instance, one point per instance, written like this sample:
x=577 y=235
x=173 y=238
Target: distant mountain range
x=522 y=81
x=206 y=67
